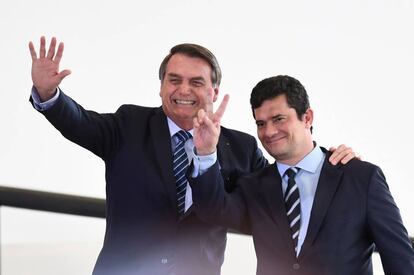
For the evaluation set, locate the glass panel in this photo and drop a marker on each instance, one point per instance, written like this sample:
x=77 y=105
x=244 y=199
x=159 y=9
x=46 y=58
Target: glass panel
x=36 y=242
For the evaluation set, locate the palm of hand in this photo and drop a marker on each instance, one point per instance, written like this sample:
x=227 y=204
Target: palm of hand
x=45 y=75
x=45 y=68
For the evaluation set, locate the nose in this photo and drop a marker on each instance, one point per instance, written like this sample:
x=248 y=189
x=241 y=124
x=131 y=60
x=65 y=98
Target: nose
x=270 y=130
x=185 y=89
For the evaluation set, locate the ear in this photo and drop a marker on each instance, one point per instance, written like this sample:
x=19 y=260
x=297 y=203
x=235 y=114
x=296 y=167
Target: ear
x=308 y=118
x=215 y=93
x=161 y=85
x=160 y=93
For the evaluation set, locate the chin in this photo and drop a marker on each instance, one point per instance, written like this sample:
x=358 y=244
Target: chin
x=278 y=154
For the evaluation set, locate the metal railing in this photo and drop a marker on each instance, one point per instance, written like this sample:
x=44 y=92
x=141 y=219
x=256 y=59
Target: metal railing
x=52 y=202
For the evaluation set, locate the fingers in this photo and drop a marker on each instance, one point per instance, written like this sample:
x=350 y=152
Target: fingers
x=32 y=51
x=201 y=114
x=347 y=158
x=221 y=109
x=206 y=134
x=59 y=53
x=207 y=122
x=342 y=154
x=42 y=51
x=195 y=122
x=64 y=74
x=202 y=119
x=51 y=51
x=209 y=103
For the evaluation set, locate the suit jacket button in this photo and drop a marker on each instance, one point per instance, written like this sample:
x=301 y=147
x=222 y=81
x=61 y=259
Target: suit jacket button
x=296 y=266
x=164 y=261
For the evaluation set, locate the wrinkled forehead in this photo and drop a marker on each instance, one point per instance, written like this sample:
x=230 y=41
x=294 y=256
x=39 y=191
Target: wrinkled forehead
x=188 y=67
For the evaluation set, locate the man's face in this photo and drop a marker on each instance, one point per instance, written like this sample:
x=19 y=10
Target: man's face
x=283 y=135
x=187 y=88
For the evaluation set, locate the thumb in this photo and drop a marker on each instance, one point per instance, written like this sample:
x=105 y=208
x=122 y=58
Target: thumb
x=64 y=74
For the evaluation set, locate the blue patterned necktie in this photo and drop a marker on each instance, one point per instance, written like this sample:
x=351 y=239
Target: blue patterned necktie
x=180 y=165
x=292 y=203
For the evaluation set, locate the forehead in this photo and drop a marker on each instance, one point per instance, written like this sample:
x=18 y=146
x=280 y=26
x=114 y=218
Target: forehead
x=273 y=107
x=187 y=66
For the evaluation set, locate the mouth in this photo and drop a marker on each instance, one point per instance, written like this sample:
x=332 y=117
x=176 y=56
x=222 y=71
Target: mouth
x=184 y=102
x=275 y=140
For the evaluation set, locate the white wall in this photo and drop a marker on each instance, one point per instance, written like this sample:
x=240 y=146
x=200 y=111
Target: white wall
x=354 y=57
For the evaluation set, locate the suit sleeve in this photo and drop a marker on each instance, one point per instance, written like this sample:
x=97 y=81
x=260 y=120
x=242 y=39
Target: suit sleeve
x=258 y=160
x=387 y=229
x=98 y=133
x=214 y=205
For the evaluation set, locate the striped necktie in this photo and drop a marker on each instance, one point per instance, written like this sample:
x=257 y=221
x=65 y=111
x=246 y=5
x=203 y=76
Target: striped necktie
x=180 y=165
x=292 y=203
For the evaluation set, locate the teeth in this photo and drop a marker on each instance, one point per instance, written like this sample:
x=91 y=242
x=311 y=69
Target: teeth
x=184 y=102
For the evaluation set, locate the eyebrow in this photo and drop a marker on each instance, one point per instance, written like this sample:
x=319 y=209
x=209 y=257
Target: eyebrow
x=272 y=117
x=174 y=75
x=196 y=78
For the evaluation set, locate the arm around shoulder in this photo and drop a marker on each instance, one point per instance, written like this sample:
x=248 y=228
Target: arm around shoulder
x=213 y=204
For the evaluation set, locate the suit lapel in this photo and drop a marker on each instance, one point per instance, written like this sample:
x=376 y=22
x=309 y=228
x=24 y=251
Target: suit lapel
x=272 y=194
x=160 y=134
x=329 y=181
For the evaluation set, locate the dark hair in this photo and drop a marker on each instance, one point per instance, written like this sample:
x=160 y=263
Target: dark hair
x=193 y=50
x=271 y=87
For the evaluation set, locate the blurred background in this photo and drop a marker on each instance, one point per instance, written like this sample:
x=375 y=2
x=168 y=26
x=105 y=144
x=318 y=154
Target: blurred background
x=354 y=57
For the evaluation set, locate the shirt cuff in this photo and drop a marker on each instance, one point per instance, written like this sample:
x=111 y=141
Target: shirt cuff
x=202 y=163
x=43 y=106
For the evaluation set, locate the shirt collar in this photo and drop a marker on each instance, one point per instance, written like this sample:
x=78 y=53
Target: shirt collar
x=174 y=128
x=309 y=163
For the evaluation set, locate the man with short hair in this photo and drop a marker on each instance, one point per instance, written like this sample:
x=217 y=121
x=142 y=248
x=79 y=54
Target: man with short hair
x=307 y=217
x=151 y=228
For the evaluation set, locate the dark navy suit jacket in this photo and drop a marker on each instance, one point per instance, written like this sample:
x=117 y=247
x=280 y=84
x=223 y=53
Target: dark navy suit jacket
x=144 y=234
x=353 y=210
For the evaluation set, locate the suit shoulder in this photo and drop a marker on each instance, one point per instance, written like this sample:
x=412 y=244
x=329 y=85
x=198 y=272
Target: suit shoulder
x=131 y=108
x=359 y=165
x=353 y=165
x=130 y=111
x=361 y=171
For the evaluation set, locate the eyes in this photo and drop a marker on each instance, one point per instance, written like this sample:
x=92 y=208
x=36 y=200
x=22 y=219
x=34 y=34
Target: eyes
x=174 y=81
x=196 y=82
x=276 y=120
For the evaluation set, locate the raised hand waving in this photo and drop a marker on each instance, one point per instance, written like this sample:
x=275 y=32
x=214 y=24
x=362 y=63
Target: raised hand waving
x=45 y=68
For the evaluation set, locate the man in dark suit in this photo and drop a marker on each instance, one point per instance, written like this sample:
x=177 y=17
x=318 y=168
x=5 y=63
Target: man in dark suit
x=319 y=219
x=151 y=228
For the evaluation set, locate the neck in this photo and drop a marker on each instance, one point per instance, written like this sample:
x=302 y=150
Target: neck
x=185 y=124
x=296 y=158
